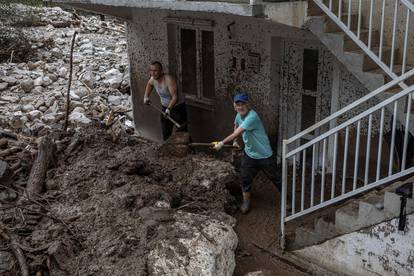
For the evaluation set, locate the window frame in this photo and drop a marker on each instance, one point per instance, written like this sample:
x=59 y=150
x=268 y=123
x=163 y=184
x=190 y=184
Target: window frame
x=199 y=99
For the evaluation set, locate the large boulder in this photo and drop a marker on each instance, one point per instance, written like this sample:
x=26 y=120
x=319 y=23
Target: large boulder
x=199 y=246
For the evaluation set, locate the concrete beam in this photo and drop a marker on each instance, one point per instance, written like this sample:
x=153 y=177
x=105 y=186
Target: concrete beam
x=242 y=9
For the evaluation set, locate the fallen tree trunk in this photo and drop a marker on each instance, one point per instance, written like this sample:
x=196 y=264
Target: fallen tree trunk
x=45 y=157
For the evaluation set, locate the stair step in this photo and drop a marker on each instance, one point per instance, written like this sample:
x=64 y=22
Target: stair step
x=314 y=10
x=397 y=70
x=369 y=213
x=368 y=63
x=350 y=45
x=346 y=217
x=331 y=26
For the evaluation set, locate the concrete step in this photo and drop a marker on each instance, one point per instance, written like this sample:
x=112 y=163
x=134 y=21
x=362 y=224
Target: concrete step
x=368 y=63
x=371 y=209
x=346 y=218
x=350 y=45
x=397 y=69
x=314 y=10
x=331 y=26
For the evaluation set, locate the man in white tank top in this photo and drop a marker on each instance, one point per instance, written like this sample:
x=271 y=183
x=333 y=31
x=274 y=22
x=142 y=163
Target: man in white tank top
x=172 y=103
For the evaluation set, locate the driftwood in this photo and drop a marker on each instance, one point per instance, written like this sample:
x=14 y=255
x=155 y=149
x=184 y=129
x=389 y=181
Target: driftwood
x=69 y=82
x=17 y=251
x=45 y=157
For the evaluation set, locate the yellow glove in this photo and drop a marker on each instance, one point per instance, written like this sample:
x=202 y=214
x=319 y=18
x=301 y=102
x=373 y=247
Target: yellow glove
x=236 y=145
x=217 y=145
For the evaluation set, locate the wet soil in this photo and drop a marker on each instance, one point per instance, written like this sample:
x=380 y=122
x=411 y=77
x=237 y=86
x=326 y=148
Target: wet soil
x=258 y=233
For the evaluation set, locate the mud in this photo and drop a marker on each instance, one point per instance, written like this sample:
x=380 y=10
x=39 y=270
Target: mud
x=110 y=203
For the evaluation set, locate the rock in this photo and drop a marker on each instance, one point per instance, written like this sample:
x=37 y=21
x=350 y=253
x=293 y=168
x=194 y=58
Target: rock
x=60 y=41
x=54 y=108
x=52 y=77
x=49 y=118
x=201 y=246
x=27 y=85
x=115 y=82
x=88 y=78
x=11 y=81
x=46 y=81
x=31 y=65
x=63 y=72
x=6 y=262
x=81 y=92
x=28 y=108
x=87 y=48
x=50 y=68
x=79 y=119
x=3 y=86
x=79 y=109
x=11 y=99
x=42 y=108
x=75 y=104
x=39 y=103
x=37 y=90
x=73 y=96
x=114 y=100
x=35 y=114
x=112 y=73
x=27 y=99
x=38 y=81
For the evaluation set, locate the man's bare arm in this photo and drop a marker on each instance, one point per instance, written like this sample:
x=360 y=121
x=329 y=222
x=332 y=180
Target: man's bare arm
x=148 y=89
x=172 y=87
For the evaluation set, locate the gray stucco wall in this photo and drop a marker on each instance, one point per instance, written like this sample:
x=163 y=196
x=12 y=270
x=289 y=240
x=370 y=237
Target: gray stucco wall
x=379 y=250
x=275 y=88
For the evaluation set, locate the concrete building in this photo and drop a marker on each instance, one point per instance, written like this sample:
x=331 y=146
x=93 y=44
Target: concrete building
x=297 y=66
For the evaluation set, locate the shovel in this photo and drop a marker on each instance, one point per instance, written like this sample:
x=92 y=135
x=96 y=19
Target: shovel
x=165 y=115
x=211 y=145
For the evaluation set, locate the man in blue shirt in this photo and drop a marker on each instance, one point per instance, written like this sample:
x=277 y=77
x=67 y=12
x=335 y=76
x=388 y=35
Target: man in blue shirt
x=257 y=150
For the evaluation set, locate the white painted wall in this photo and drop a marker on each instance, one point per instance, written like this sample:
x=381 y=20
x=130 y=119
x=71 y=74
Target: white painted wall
x=379 y=250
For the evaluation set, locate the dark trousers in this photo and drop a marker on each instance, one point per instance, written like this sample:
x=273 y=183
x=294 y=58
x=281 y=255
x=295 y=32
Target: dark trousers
x=250 y=167
x=179 y=114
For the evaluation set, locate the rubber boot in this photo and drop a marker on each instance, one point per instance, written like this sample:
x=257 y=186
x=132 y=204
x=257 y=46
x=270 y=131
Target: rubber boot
x=245 y=207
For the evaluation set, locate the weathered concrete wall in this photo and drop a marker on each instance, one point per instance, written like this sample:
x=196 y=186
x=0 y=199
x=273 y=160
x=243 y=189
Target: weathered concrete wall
x=275 y=86
x=147 y=40
x=380 y=250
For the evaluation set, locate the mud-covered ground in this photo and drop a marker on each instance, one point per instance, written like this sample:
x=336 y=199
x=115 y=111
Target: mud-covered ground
x=108 y=204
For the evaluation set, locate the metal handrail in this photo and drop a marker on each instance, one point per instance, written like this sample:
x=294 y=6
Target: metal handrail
x=319 y=147
x=351 y=106
x=289 y=158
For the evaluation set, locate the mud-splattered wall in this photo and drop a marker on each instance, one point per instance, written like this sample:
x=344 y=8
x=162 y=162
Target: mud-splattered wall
x=273 y=58
x=379 y=250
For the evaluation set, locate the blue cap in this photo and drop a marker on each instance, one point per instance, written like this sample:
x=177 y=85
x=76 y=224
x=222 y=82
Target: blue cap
x=241 y=97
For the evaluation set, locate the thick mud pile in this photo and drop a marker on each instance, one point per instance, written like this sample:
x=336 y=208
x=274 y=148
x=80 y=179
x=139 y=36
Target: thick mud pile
x=107 y=205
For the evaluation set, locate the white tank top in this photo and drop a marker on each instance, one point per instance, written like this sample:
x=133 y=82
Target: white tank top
x=164 y=93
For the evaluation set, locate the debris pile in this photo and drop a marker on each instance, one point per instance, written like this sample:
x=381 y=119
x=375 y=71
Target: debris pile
x=32 y=93
x=97 y=199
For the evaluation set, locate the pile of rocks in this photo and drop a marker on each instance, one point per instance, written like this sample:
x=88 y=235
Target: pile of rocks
x=32 y=94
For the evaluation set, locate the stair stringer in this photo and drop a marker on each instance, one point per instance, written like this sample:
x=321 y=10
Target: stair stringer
x=355 y=215
x=353 y=62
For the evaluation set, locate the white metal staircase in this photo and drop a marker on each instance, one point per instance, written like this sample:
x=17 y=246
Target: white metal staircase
x=361 y=146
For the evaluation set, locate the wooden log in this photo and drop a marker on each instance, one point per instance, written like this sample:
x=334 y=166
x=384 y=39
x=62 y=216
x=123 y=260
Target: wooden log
x=45 y=157
x=17 y=251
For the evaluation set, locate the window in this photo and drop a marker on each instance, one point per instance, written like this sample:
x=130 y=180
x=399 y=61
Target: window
x=196 y=56
x=310 y=69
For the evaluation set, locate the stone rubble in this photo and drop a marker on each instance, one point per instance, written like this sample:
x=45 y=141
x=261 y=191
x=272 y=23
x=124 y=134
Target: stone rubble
x=33 y=97
x=34 y=93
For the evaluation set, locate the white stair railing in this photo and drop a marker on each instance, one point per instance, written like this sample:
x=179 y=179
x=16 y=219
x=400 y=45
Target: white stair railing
x=341 y=12
x=347 y=159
